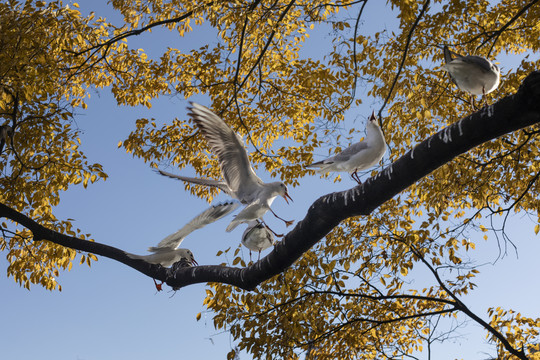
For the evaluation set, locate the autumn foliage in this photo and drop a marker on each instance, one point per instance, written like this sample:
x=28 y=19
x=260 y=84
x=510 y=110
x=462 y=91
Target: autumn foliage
x=349 y=295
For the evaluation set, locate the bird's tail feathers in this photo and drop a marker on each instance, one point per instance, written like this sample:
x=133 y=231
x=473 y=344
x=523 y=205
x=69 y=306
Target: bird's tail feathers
x=133 y=256
x=450 y=55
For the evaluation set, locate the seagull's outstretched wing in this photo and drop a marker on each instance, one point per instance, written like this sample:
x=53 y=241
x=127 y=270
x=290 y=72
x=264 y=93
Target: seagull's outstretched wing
x=205 y=182
x=229 y=148
x=208 y=216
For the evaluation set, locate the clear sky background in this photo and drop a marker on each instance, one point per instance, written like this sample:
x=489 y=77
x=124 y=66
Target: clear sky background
x=111 y=311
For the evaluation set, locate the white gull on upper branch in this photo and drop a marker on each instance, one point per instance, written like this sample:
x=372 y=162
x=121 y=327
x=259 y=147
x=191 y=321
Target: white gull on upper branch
x=359 y=156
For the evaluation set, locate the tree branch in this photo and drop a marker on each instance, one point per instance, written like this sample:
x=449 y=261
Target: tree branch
x=460 y=306
x=499 y=32
x=402 y=63
x=508 y=114
x=93 y=50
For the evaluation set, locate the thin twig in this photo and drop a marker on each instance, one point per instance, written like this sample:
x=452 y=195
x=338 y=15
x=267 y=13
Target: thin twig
x=499 y=32
x=409 y=37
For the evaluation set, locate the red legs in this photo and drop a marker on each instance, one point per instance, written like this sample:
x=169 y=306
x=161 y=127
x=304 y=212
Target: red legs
x=287 y=222
x=272 y=231
x=474 y=107
x=356 y=177
x=158 y=286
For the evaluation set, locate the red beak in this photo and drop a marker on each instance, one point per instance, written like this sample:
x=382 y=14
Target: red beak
x=194 y=262
x=287 y=198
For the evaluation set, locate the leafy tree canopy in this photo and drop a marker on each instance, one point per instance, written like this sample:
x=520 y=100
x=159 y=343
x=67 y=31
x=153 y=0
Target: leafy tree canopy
x=348 y=296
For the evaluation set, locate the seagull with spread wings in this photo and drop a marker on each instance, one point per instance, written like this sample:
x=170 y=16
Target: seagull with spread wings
x=166 y=253
x=240 y=181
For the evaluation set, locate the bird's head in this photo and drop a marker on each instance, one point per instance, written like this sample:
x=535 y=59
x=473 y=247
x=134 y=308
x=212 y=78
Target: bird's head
x=373 y=119
x=187 y=254
x=282 y=190
x=372 y=125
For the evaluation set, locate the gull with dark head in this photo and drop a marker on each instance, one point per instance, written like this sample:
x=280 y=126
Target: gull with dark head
x=473 y=74
x=359 y=156
x=240 y=181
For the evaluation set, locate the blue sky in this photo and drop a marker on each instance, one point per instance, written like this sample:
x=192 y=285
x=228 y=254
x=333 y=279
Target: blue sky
x=110 y=311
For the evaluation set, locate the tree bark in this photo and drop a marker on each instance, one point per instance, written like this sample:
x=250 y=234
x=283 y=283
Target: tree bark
x=508 y=114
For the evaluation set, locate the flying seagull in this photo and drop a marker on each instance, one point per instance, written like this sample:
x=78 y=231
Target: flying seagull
x=208 y=216
x=359 y=156
x=167 y=252
x=473 y=74
x=240 y=181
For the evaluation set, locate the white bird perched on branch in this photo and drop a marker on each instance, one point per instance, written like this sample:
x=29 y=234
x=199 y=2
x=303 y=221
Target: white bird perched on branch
x=473 y=74
x=240 y=181
x=359 y=156
x=257 y=237
x=166 y=257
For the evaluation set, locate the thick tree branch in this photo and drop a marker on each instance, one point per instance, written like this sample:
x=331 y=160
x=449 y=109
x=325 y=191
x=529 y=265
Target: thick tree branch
x=508 y=114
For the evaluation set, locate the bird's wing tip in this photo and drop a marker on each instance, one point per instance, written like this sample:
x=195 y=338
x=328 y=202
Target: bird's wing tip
x=231 y=226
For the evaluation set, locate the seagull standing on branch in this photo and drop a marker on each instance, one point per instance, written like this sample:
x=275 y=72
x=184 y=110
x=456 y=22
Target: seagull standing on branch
x=257 y=237
x=166 y=258
x=359 y=156
x=240 y=181
x=473 y=74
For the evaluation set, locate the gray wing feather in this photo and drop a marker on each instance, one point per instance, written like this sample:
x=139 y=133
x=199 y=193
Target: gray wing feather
x=205 y=182
x=479 y=61
x=344 y=155
x=228 y=147
x=448 y=57
x=208 y=216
